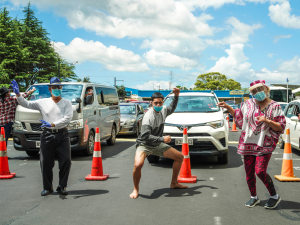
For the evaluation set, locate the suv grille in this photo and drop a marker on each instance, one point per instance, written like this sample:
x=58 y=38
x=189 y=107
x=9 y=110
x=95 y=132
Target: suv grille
x=205 y=146
x=33 y=137
x=36 y=126
x=24 y=126
x=189 y=134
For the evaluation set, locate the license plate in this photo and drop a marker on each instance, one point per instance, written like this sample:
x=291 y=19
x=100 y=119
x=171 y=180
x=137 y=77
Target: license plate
x=37 y=144
x=179 y=141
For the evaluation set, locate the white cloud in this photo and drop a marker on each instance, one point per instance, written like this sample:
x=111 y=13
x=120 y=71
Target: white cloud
x=168 y=60
x=278 y=37
x=270 y=55
x=154 y=85
x=239 y=34
x=236 y=66
x=112 y=58
x=281 y=15
x=213 y=58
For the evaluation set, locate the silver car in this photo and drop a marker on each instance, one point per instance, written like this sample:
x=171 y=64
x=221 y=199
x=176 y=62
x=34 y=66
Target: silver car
x=131 y=118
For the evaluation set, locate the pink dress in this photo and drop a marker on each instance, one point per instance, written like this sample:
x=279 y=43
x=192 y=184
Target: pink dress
x=258 y=138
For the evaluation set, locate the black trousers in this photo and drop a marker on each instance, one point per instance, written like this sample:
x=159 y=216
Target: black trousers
x=51 y=145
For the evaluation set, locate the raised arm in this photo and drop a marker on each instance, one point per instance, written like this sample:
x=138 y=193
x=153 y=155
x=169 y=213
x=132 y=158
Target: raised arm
x=67 y=117
x=171 y=108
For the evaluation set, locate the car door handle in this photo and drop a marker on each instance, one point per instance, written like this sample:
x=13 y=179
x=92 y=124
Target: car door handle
x=95 y=112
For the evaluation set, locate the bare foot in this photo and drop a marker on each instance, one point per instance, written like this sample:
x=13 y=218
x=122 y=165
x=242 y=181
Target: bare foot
x=134 y=194
x=175 y=186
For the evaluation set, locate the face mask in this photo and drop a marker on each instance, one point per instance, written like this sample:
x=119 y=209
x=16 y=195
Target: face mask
x=56 y=92
x=260 y=96
x=157 y=108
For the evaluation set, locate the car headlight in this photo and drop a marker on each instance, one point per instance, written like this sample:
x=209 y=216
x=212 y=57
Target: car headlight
x=18 y=125
x=75 y=125
x=129 y=122
x=216 y=124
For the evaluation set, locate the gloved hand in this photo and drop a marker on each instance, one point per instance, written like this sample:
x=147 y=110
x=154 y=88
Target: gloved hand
x=45 y=123
x=15 y=87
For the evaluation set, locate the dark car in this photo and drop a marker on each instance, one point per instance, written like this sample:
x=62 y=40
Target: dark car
x=131 y=118
x=144 y=104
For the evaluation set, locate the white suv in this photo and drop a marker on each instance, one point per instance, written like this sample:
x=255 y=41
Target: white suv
x=207 y=127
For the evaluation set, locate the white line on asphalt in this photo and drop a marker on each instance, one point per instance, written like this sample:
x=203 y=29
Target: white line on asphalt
x=233 y=142
x=211 y=178
x=23 y=164
x=9 y=145
x=276 y=153
x=297 y=168
x=215 y=194
x=282 y=159
x=217 y=220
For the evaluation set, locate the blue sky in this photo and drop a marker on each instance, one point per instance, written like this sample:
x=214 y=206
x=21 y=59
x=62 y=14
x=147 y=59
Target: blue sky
x=141 y=41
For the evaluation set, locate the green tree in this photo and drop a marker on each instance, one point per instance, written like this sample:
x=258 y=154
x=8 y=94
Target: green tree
x=215 y=81
x=85 y=79
x=182 y=88
x=121 y=91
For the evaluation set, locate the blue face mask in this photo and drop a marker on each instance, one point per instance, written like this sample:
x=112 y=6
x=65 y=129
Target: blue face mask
x=56 y=92
x=157 y=108
x=260 y=96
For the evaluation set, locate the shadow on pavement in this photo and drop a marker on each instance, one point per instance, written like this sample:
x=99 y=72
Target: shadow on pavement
x=175 y=192
x=207 y=162
x=82 y=193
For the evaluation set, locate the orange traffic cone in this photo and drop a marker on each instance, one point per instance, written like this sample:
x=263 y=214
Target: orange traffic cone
x=287 y=171
x=234 y=127
x=228 y=120
x=97 y=169
x=4 y=169
x=185 y=175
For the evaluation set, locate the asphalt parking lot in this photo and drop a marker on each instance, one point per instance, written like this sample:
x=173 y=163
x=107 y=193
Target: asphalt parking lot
x=217 y=198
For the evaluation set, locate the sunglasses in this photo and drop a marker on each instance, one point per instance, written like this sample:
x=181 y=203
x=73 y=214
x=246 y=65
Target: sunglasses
x=56 y=87
x=256 y=90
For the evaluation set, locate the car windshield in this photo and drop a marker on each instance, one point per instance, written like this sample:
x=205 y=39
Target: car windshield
x=283 y=106
x=144 y=105
x=127 y=109
x=194 y=104
x=69 y=92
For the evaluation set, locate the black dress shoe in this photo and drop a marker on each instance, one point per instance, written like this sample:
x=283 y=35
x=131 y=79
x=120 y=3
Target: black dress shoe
x=46 y=192
x=62 y=191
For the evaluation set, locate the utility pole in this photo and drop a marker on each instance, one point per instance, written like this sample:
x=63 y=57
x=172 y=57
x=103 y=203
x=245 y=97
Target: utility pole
x=171 y=80
x=115 y=81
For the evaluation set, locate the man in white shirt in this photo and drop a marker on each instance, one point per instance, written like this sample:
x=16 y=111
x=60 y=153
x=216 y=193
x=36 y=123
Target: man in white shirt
x=57 y=114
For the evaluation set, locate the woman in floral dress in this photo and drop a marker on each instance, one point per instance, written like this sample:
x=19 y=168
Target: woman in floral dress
x=261 y=121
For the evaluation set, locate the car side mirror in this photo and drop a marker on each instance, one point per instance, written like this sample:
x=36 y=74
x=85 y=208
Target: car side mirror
x=89 y=99
x=78 y=100
x=294 y=118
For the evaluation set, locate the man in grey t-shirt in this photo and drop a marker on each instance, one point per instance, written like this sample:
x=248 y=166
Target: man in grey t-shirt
x=151 y=141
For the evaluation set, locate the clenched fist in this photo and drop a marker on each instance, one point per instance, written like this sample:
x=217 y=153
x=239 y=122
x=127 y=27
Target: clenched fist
x=176 y=91
x=167 y=139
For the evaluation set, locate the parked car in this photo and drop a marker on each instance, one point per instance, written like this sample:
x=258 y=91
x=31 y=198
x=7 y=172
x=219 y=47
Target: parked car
x=230 y=116
x=291 y=114
x=101 y=109
x=283 y=105
x=131 y=118
x=207 y=128
x=144 y=104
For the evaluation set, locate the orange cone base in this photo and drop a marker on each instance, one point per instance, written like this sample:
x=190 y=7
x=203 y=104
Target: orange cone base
x=285 y=178
x=234 y=130
x=8 y=176
x=90 y=177
x=192 y=179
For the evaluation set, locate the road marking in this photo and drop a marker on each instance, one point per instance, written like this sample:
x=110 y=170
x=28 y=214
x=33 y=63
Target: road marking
x=211 y=178
x=9 y=145
x=276 y=153
x=215 y=194
x=218 y=220
x=282 y=159
x=123 y=139
x=297 y=168
x=10 y=139
x=23 y=164
x=233 y=142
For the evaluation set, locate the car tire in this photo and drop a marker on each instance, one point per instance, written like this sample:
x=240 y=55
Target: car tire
x=223 y=159
x=281 y=142
x=90 y=144
x=112 y=139
x=153 y=158
x=32 y=153
x=137 y=132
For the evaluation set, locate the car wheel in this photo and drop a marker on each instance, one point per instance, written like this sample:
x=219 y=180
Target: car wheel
x=153 y=158
x=137 y=132
x=32 y=153
x=112 y=139
x=90 y=144
x=281 y=142
x=223 y=159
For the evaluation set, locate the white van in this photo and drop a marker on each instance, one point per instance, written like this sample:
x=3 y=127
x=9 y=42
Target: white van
x=98 y=110
x=207 y=127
